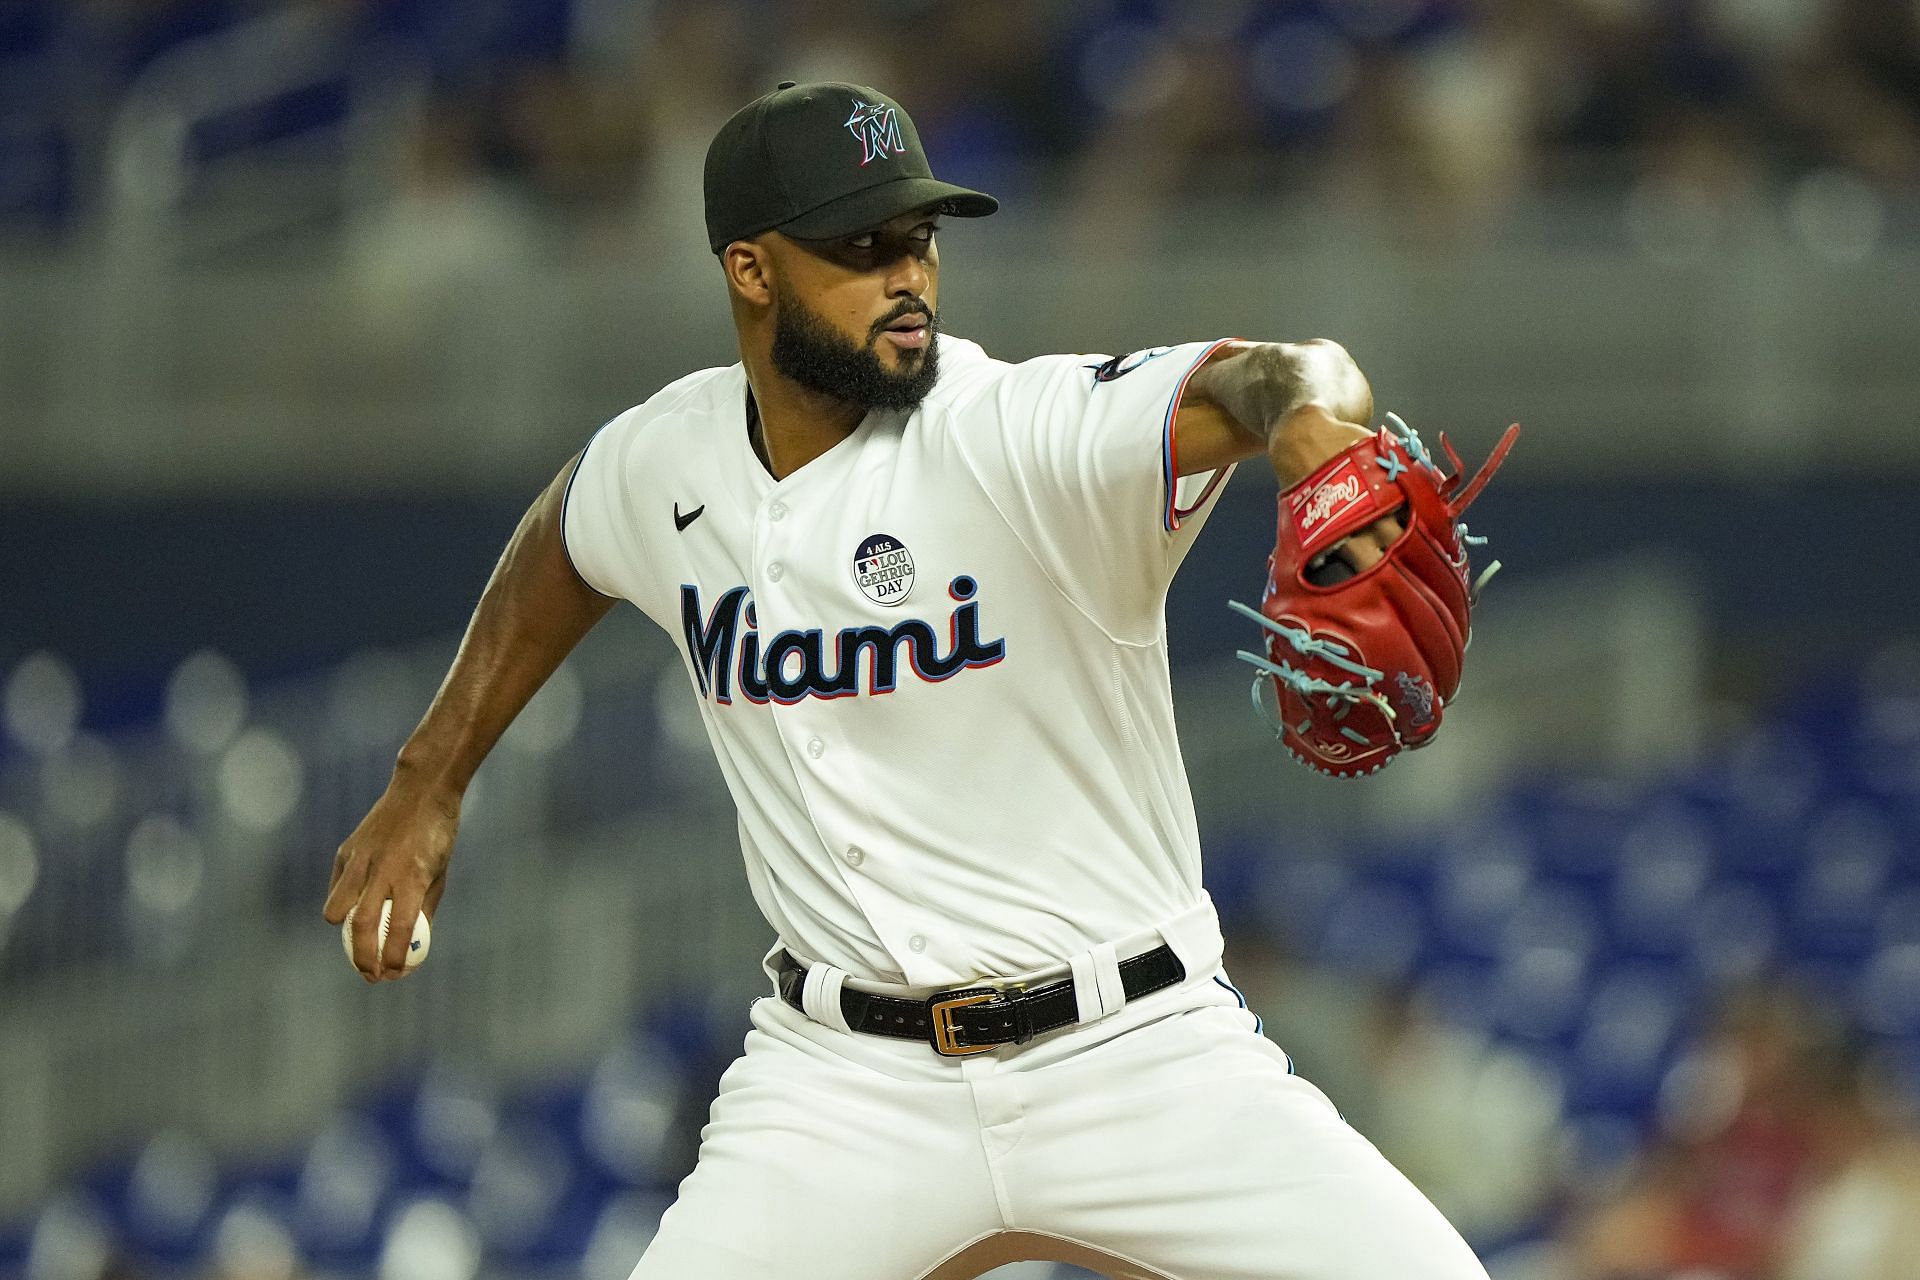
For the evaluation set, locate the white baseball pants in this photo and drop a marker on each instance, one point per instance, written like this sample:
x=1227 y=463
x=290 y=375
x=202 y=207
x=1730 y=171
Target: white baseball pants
x=1167 y=1141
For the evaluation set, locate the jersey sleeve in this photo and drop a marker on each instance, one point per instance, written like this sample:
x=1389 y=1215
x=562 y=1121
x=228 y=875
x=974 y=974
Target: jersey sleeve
x=1080 y=456
x=597 y=521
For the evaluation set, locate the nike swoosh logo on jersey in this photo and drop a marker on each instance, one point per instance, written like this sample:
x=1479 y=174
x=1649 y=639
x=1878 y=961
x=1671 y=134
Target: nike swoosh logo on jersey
x=680 y=522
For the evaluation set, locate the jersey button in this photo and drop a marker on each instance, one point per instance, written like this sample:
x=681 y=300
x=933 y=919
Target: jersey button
x=777 y=511
x=816 y=748
x=855 y=855
x=775 y=571
x=917 y=942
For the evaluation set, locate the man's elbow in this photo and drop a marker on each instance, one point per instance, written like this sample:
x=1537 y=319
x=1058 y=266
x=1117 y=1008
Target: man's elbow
x=1326 y=372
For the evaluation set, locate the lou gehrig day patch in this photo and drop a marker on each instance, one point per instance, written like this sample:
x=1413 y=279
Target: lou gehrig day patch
x=1319 y=506
x=883 y=569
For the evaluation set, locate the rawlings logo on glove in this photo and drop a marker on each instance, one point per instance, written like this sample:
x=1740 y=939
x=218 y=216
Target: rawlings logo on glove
x=1362 y=667
x=1332 y=497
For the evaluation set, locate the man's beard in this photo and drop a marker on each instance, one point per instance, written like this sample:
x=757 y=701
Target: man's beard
x=810 y=352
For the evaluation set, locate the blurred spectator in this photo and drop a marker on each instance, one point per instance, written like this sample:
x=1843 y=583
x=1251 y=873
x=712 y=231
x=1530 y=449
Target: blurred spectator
x=1439 y=112
x=1452 y=122
x=695 y=68
x=1169 y=114
x=575 y=139
x=1475 y=1125
x=1860 y=1222
x=1747 y=1126
x=452 y=223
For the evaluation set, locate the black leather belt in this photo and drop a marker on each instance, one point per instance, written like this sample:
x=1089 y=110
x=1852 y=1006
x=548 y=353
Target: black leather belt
x=975 y=1019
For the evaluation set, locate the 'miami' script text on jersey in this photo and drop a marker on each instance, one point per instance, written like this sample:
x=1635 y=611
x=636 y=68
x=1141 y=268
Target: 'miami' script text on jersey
x=793 y=665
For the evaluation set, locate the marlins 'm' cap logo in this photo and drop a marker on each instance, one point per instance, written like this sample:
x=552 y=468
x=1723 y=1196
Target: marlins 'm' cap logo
x=878 y=128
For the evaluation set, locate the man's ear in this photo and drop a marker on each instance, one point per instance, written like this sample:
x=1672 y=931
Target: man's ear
x=749 y=269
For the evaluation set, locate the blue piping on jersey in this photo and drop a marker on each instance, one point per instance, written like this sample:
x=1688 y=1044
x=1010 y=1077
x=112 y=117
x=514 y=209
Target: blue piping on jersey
x=1174 y=513
x=566 y=496
x=1259 y=1023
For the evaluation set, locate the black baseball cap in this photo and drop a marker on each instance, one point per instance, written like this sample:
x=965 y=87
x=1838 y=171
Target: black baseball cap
x=820 y=160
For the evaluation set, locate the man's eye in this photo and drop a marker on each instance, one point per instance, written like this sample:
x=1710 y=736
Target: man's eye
x=861 y=242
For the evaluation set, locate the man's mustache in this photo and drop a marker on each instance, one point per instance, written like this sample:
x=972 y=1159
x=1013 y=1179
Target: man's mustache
x=905 y=309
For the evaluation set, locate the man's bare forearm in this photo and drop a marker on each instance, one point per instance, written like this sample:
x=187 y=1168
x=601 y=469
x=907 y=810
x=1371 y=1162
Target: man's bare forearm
x=534 y=610
x=1297 y=402
x=1260 y=386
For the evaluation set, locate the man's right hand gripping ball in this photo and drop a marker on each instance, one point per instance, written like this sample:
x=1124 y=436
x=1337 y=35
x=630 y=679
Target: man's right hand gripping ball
x=1362 y=662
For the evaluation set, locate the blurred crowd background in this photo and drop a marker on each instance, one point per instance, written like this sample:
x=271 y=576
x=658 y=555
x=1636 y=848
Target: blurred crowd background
x=301 y=303
x=1448 y=110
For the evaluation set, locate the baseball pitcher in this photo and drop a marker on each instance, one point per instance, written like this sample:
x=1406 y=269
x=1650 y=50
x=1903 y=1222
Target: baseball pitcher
x=919 y=594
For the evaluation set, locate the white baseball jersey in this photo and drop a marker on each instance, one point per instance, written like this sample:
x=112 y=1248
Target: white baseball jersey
x=933 y=661
x=933 y=665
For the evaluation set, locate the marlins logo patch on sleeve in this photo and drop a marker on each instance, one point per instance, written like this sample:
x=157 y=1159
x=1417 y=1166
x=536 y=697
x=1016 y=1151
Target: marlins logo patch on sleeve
x=1121 y=366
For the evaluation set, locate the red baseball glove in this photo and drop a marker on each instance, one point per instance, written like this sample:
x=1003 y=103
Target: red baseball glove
x=1362 y=665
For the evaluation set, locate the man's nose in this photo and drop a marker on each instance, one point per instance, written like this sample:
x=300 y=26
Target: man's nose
x=909 y=278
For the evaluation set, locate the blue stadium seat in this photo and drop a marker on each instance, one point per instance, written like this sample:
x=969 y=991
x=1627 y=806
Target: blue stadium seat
x=1627 y=1036
x=1292 y=898
x=525 y=1198
x=72 y=1236
x=1889 y=991
x=627 y=1115
x=341 y=1196
x=1538 y=992
x=438 y=1125
x=1845 y=869
x=620 y=1233
x=1897 y=920
x=1868 y=729
x=14 y=1239
x=1665 y=863
x=162 y=1203
x=1734 y=934
x=1457 y=991
x=1883 y=745
x=1575 y=823
x=1480 y=879
x=1374 y=928
x=1602 y=1144
x=1559 y=914
x=1766 y=786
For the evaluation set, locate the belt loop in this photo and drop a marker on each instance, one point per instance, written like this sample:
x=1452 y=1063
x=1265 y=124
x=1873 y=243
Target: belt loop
x=770 y=963
x=1194 y=935
x=1086 y=988
x=820 y=997
x=1106 y=972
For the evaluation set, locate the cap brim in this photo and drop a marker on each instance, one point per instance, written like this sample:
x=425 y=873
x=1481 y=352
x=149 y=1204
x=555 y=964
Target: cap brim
x=874 y=205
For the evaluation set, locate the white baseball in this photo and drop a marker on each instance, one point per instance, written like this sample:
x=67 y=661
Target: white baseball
x=416 y=951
